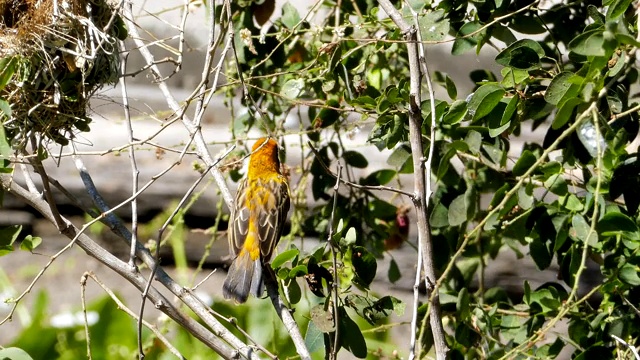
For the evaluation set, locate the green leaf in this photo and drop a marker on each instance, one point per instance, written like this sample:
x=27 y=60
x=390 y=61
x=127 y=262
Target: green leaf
x=355 y=159
x=572 y=203
x=439 y=216
x=523 y=54
x=5 y=147
x=380 y=177
x=525 y=197
x=352 y=338
x=589 y=43
x=5 y=108
x=8 y=236
x=399 y=156
x=581 y=230
x=283 y=257
x=456 y=112
x=381 y=209
x=629 y=274
x=461 y=209
x=313 y=338
x=327 y=116
x=541 y=253
x=595 y=14
x=526 y=160
x=394 y=271
x=565 y=112
x=452 y=91
x=561 y=87
x=290 y=16
x=462 y=305
x=463 y=44
x=364 y=265
x=30 y=243
x=500 y=117
x=7 y=69
x=512 y=77
x=614 y=223
x=617 y=8
x=292 y=88
x=557 y=185
x=434 y=26
x=14 y=353
x=473 y=141
x=292 y=290
x=484 y=100
x=382 y=308
x=298 y=271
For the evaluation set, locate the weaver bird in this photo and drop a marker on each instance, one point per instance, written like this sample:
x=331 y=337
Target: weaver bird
x=256 y=222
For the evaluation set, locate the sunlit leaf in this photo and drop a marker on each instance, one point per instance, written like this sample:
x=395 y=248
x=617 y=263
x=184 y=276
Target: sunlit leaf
x=484 y=100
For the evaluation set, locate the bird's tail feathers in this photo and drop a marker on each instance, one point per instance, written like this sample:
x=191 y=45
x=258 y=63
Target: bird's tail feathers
x=244 y=278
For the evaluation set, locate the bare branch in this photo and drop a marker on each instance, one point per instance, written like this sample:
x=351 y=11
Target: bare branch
x=123 y=307
x=334 y=256
x=135 y=278
x=192 y=128
x=352 y=184
x=420 y=196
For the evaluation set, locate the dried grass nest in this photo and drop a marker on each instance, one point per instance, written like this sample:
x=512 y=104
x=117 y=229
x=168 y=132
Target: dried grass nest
x=54 y=54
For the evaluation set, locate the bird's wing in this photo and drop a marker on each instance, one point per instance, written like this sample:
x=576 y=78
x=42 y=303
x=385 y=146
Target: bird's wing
x=274 y=195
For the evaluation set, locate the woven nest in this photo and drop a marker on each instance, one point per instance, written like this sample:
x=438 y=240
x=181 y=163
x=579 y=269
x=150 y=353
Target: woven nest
x=54 y=54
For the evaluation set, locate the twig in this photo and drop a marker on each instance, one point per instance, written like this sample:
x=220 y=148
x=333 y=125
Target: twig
x=118 y=227
x=420 y=196
x=135 y=278
x=194 y=131
x=39 y=168
x=334 y=255
x=352 y=184
x=29 y=180
x=83 y=286
x=40 y=273
x=285 y=316
x=627 y=345
x=415 y=306
x=134 y=168
x=156 y=265
x=134 y=185
x=123 y=307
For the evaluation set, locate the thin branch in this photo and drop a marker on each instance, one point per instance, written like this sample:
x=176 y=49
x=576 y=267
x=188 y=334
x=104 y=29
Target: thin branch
x=123 y=307
x=352 y=184
x=39 y=168
x=420 y=196
x=83 y=286
x=134 y=185
x=194 y=131
x=135 y=278
x=134 y=168
x=334 y=256
x=118 y=227
x=627 y=345
x=52 y=258
x=29 y=180
x=286 y=317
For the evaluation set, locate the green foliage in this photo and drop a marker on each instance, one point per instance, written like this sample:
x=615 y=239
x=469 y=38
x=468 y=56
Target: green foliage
x=565 y=207
x=565 y=201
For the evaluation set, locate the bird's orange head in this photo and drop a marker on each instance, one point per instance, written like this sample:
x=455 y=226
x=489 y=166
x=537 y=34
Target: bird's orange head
x=264 y=158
